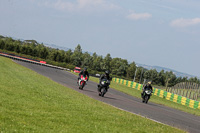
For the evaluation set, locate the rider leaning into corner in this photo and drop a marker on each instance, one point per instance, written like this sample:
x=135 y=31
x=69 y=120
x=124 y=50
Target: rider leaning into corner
x=146 y=87
x=104 y=76
x=85 y=73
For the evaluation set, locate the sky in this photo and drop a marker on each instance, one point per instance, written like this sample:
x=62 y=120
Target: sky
x=162 y=33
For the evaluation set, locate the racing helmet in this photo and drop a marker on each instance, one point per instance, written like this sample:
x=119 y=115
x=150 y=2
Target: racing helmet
x=107 y=72
x=149 y=83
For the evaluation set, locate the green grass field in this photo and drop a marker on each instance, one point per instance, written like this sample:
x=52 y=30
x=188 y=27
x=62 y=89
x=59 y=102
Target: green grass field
x=30 y=102
x=155 y=99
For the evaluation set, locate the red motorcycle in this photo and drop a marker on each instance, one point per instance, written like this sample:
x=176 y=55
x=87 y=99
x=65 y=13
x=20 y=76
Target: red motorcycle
x=82 y=82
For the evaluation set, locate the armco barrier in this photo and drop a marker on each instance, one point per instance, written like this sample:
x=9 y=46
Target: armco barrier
x=30 y=61
x=162 y=94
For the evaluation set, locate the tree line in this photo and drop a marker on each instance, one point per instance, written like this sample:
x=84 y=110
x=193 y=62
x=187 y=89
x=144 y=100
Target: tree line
x=118 y=67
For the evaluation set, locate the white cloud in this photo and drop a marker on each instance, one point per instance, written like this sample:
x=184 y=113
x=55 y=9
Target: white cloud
x=81 y=5
x=185 y=22
x=139 y=16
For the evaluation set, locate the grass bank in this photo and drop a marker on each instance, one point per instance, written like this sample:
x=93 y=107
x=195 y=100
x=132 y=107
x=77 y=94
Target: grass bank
x=33 y=103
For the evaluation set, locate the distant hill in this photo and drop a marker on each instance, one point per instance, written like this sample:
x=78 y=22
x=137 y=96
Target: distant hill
x=62 y=48
x=2 y=36
x=57 y=47
x=158 y=69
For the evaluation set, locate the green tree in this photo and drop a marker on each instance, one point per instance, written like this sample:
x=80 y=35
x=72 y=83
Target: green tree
x=77 y=56
x=67 y=57
x=151 y=75
x=161 y=78
x=23 y=49
x=43 y=53
x=78 y=49
x=106 y=62
x=119 y=66
x=53 y=54
x=194 y=80
x=97 y=64
x=140 y=74
x=172 y=78
x=29 y=50
x=2 y=44
x=87 y=60
x=17 y=48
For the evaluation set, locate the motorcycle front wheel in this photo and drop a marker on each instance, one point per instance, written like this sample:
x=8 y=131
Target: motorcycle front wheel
x=81 y=86
x=103 y=92
x=146 y=98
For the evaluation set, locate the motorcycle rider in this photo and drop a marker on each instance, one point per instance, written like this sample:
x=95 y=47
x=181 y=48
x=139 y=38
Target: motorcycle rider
x=85 y=73
x=103 y=76
x=146 y=87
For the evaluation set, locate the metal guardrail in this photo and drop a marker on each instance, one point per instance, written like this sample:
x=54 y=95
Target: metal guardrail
x=30 y=61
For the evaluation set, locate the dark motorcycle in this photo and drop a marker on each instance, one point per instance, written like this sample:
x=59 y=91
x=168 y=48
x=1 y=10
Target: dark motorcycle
x=82 y=82
x=146 y=96
x=103 y=87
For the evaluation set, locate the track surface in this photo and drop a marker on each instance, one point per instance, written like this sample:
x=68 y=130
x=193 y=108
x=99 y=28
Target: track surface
x=169 y=116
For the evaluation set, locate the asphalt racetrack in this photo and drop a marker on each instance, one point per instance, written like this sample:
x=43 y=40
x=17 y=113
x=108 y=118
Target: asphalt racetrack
x=159 y=113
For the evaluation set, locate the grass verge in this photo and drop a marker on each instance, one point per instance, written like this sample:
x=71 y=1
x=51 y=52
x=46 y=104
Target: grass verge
x=33 y=103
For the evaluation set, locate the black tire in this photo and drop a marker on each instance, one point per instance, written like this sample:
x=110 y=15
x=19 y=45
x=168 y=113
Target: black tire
x=81 y=87
x=99 y=90
x=103 y=92
x=143 y=100
x=146 y=98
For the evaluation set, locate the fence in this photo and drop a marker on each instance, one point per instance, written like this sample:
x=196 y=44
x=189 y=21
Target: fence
x=162 y=94
x=187 y=89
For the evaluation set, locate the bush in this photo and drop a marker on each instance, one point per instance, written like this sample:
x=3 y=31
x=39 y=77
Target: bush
x=70 y=66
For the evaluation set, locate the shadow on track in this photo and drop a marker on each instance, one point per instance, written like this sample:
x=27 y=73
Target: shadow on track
x=87 y=90
x=111 y=98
